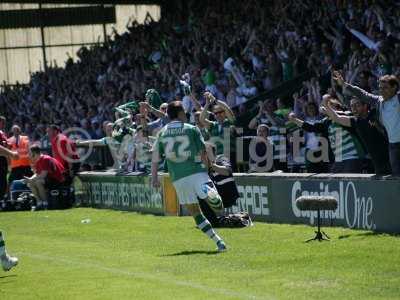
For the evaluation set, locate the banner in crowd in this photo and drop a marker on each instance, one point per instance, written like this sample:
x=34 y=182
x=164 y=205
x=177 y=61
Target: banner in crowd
x=363 y=203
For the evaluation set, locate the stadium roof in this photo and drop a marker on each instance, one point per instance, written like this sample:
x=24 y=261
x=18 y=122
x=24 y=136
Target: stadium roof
x=91 y=2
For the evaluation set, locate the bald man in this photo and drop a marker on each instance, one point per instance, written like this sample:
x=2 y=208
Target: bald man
x=21 y=166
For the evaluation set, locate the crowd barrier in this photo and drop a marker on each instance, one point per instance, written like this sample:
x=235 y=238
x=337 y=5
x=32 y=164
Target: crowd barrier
x=364 y=201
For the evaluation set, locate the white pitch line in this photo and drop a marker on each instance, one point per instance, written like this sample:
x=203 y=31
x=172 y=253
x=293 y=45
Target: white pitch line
x=142 y=275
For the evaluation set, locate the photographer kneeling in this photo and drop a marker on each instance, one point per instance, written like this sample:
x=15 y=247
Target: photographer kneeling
x=48 y=175
x=220 y=172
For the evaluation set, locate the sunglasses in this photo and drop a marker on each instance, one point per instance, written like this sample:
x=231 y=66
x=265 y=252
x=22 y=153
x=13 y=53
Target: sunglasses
x=219 y=112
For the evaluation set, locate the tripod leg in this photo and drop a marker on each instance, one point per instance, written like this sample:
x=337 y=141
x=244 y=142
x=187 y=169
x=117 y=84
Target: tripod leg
x=314 y=238
x=326 y=235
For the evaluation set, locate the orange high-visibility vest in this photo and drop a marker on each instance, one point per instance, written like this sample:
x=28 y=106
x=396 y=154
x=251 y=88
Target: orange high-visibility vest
x=22 y=149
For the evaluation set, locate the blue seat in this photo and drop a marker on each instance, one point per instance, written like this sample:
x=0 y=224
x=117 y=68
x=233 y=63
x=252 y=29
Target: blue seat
x=18 y=187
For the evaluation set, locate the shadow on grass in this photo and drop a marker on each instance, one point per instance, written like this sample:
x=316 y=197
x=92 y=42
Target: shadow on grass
x=362 y=234
x=7 y=276
x=192 y=252
x=3 y=279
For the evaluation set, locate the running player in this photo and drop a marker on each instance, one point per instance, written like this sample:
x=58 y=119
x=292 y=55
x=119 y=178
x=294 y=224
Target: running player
x=7 y=261
x=183 y=147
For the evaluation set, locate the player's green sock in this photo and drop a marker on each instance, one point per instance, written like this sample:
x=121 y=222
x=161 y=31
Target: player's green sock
x=2 y=245
x=206 y=227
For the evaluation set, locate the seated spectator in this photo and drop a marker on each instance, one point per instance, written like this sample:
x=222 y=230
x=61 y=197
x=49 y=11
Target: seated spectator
x=49 y=174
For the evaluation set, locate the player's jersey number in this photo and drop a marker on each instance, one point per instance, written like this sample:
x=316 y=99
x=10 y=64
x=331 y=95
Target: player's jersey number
x=177 y=148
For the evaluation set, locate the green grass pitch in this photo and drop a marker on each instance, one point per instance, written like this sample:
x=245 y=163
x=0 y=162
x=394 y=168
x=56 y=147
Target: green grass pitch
x=121 y=255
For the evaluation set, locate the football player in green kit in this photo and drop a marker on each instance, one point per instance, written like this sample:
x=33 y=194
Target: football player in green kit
x=182 y=146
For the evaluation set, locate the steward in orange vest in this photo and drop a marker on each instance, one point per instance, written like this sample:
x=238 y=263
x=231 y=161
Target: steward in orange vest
x=19 y=167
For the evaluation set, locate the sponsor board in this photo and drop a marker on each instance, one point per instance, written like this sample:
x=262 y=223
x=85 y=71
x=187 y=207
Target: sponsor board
x=355 y=206
x=122 y=192
x=253 y=197
x=363 y=203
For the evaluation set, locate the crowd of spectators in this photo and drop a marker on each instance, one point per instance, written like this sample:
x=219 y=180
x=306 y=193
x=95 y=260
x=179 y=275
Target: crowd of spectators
x=235 y=50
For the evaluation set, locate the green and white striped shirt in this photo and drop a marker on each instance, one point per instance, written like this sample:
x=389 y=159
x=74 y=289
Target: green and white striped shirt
x=344 y=144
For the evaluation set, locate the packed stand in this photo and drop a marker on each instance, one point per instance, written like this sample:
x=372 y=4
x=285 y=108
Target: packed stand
x=118 y=92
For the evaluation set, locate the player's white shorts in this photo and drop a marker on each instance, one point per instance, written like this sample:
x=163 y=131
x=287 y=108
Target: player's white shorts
x=191 y=187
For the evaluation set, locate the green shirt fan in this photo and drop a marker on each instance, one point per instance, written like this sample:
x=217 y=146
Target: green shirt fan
x=154 y=98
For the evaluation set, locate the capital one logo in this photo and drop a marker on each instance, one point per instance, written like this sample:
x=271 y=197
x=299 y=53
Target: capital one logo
x=356 y=210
